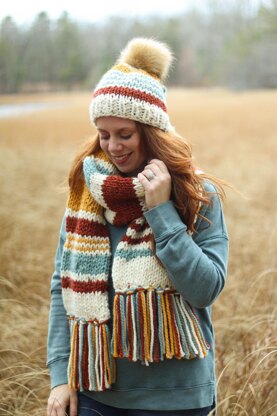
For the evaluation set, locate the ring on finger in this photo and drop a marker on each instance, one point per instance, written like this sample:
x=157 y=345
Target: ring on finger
x=151 y=176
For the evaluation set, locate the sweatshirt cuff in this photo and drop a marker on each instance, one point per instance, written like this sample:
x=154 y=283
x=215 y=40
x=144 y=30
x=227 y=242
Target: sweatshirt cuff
x=164 y=220
x=58 y=372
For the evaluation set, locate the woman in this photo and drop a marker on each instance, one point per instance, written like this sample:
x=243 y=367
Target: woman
x=142 y=256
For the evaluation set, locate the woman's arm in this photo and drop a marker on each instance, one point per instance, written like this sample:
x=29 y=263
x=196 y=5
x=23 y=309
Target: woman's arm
x=196 y=264
x=58 y=350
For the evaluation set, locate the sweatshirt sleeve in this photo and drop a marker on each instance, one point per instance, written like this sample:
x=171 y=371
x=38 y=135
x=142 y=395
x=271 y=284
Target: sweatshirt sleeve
x=58 y=350
x=196 y=265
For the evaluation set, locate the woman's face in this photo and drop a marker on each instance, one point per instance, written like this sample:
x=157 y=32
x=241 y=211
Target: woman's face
x=122 y=143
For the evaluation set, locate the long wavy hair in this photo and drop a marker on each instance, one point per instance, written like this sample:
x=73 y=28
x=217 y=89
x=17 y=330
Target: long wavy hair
x=188 y=191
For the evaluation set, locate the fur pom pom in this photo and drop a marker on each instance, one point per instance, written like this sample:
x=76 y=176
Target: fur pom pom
x=150 y=55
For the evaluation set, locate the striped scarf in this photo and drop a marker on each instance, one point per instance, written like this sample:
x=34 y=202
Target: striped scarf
x=151 y=321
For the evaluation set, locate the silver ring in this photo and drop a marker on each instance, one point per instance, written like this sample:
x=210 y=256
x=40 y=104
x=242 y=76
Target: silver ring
x=151 y=176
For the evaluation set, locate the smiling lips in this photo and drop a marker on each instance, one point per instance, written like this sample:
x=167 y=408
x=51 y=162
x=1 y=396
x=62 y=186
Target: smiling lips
x=120 y=160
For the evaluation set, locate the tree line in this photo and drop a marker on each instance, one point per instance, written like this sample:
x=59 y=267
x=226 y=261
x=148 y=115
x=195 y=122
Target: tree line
x=226 y=47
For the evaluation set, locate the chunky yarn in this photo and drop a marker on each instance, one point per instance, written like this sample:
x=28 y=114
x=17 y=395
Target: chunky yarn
x=133 y=87
x=151 y=321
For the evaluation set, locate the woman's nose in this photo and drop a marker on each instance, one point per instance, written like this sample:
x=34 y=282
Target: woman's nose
x=114 y=145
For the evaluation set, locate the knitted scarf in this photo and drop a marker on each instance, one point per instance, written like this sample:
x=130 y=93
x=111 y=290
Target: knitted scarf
x=151 y=321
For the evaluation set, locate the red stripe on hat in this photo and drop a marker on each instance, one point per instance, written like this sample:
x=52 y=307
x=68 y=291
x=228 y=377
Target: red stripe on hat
x=130 y=92
x=84 y=287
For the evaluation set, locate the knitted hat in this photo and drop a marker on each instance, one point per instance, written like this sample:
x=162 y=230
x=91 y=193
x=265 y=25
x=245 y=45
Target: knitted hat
x=133 y=88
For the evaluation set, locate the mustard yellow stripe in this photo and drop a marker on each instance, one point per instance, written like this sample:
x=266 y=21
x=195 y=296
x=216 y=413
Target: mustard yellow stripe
x=72 y=356
x=126 y=69
x=148 y=323
x=86 y=240
x=145 y=325
x=71 y=246
x=200 y=339
x=172 y=344
x=166 y=335
x=81 y=199
x=106 y=353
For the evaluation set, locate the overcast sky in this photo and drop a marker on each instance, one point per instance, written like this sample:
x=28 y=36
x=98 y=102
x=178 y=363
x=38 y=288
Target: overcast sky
x=90 y=10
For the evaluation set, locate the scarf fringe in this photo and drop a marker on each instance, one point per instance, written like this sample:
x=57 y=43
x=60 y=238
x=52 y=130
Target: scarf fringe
x=91 y=366
x=152 y=324
x=148 y=325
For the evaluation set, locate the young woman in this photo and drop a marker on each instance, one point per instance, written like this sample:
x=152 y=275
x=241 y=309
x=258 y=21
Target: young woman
x=142 y=256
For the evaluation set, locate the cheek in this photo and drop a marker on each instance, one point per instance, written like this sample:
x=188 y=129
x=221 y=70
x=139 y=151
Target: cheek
x=103 y=146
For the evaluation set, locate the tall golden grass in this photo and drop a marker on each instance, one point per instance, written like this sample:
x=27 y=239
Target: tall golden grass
x=234 y=137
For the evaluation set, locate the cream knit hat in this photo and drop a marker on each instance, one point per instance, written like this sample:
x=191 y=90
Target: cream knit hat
x=133 y=88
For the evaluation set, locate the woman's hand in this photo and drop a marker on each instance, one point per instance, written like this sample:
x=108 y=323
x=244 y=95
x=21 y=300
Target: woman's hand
x=156 y=181
x=61 y=397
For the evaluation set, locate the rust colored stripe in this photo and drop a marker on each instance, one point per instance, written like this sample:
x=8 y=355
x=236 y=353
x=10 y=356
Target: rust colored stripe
x=131 y=92
x=84 y=287
x=141 y=326
x=85 y=227
x=126 y=207
x=120 y=350
x=139 y=227
x=133 y=241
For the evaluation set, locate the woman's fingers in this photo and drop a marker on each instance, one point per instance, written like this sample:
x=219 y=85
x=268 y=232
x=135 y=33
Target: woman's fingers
x=59 y=399
x=156 y=181
x=73 y=403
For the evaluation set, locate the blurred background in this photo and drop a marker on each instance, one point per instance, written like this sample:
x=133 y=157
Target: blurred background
x=228 y=43
x=221 y=96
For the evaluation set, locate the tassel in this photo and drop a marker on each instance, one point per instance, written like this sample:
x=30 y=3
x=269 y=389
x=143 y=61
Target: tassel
x=160 y=325
x=155 y=327
x=150 y=324
x=91 y=365
x=80 y=355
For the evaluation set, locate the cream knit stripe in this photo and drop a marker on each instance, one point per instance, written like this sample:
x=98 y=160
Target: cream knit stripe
x=84 y=277
x=144 y=271
x=140 y=193
x=87 y=306
x=122 y=106
x=90 y=359
x=149 y=294
x=145 y=245
x=97 y=358
x=134 y=329
x=195 y=342
x=96 y=182
x=81 y=342
x=109 y=215
x=91 y=216
x=131 y=232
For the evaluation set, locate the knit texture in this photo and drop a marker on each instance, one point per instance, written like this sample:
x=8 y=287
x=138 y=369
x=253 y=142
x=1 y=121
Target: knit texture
x=151 y=321
x=133 y=88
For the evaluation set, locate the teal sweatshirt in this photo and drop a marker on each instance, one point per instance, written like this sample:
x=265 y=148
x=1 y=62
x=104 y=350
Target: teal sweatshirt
x=197 y=267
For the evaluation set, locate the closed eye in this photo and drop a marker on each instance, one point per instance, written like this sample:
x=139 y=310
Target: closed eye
x=126 y=137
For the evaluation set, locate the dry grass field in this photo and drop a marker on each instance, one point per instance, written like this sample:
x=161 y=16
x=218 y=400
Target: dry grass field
x=234 y=136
